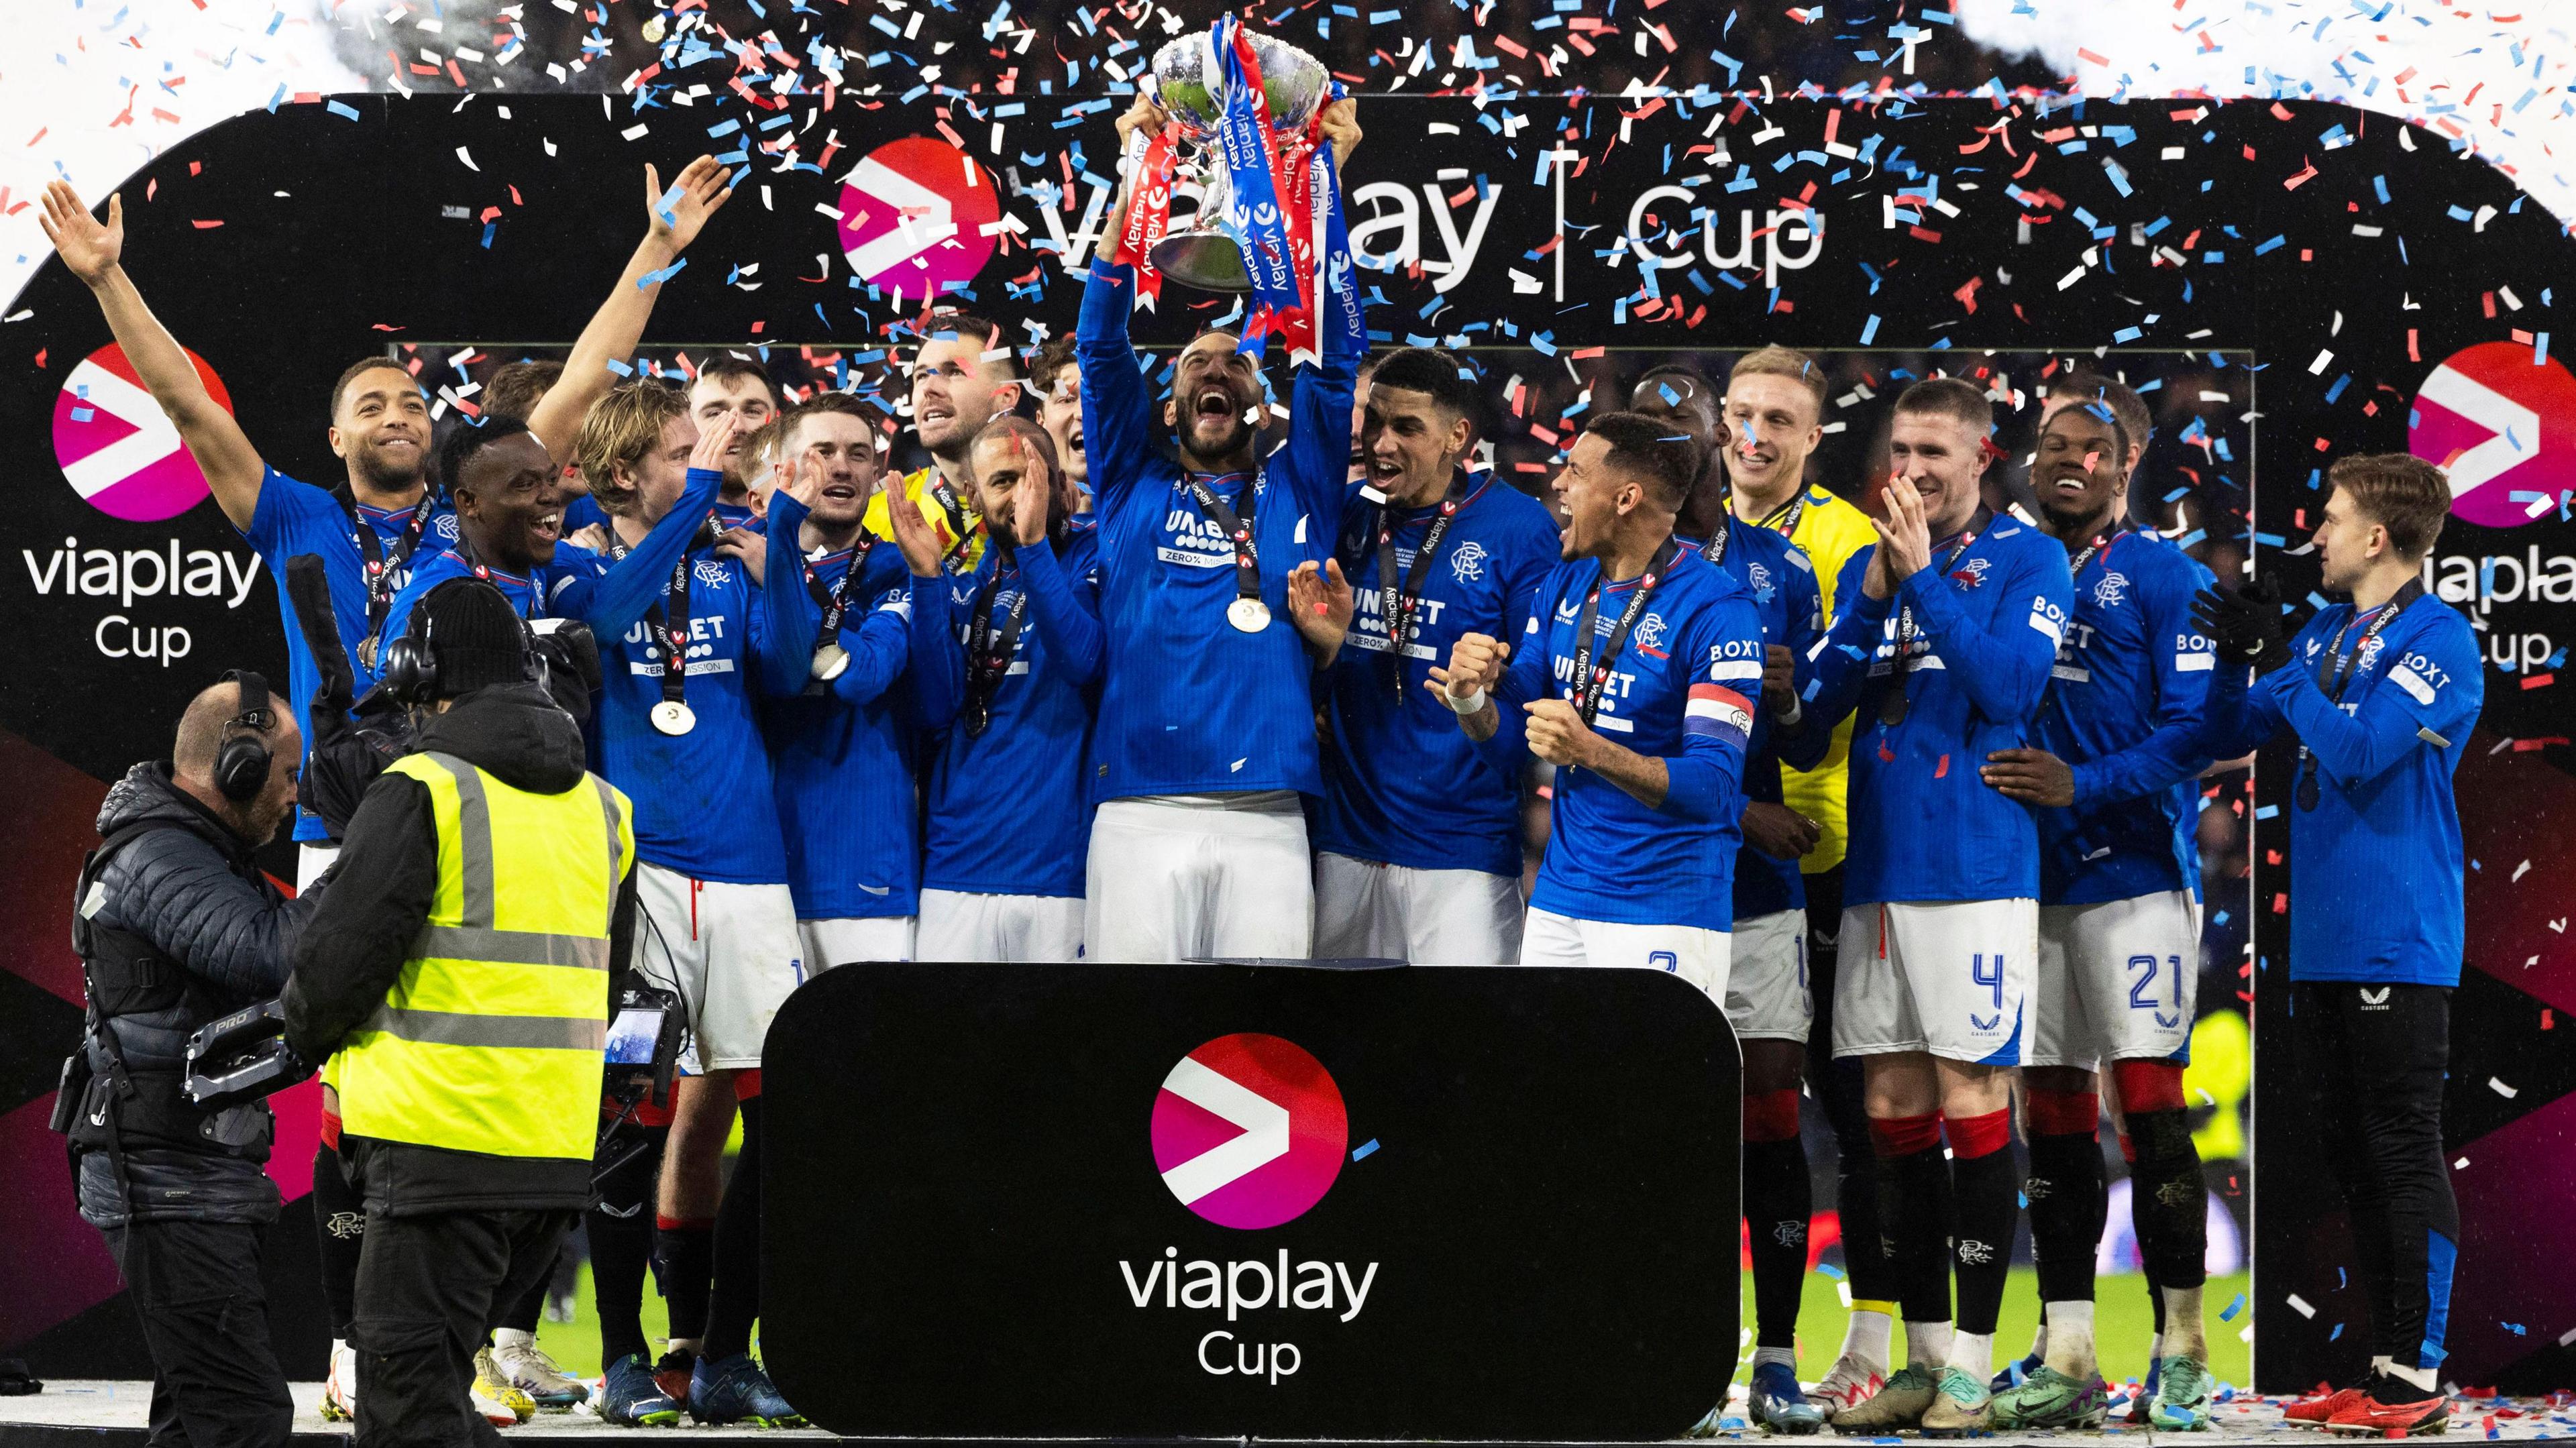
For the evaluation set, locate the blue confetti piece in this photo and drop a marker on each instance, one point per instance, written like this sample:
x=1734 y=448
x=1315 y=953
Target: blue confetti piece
x=665 y=274
x=2265 y=812
x=345 y=112
x=83 y=414
x=1365 y=1148
x=1869 y=329
x=2335 y=1335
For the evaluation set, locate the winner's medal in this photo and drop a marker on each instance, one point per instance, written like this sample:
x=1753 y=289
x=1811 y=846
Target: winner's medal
x=1249 y=615
x=674 y=718
x=829 y=660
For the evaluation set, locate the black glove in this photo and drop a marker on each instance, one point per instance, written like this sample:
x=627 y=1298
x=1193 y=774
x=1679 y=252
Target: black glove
x=338 y=771
x=2245 y=622
x=571 y=655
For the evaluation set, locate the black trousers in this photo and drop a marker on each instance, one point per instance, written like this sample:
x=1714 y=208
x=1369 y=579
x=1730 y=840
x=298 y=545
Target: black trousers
x=427 y=1288
x=2375 y=1058
x=216 y=1382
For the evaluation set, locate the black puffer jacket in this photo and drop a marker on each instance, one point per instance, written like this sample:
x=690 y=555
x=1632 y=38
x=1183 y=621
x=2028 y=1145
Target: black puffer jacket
x=356 y=947
x=192 y=889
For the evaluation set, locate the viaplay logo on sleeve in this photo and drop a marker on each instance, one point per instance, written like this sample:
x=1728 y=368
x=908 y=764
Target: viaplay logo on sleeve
x=116 y=447
x=913 y=217
x=1249 y=1131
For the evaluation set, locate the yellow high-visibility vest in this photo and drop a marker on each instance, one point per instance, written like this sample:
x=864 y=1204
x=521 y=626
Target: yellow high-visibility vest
x=960 y=534
x=1831 y=531
x=490 y=1040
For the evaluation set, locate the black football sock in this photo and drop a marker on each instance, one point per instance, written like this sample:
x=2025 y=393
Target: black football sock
x=340 y=1230
x=1914 y=1208
x=1778 y=1200
x=620 y=1225
x=735 y=1302
x=1984 y=1180
x=684 y=1263
x=2068 y=1202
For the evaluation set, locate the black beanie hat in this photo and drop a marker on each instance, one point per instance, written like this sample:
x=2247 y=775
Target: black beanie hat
x=474 y=636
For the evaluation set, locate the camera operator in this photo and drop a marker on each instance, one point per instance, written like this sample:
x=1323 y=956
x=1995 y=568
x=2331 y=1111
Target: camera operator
x=464 y=991
x=177 y=926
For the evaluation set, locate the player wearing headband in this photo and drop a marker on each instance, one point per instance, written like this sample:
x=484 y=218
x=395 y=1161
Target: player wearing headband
x=963 y=376
x=1207 y=724
x=1633 y=675
x=1950 y=624
x=1418 y=840
x=2110 y=770
x=1009 y=813
x=862 y=632
x=2382 y=693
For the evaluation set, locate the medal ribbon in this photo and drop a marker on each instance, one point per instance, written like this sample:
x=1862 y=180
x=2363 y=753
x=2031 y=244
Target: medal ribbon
x=1905 y=615
x=1247 y=559
x=1594 y=678
x=2336 y=673
x=988 y=658
x=1398 y=603
x=835 y=600
x=670 y=625
x=378 y=565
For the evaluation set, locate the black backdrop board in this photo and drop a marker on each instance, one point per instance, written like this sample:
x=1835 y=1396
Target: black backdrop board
x=2349 y=254
x=1536 y=1203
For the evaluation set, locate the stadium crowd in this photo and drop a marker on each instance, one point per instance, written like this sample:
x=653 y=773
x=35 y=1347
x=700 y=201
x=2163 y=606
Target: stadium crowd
x=1129 y=673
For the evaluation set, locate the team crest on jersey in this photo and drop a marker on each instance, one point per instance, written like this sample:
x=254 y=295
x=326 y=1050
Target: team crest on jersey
x=1760 y=577
x=1467 y=562
x=444 y=525
x=2370 y=648
x=712 y=572
x=1972 y=576
x=1650 y=634
x=2110 y=589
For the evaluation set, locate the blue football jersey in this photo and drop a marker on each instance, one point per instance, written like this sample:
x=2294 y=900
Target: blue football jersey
x=1010 y=811
x=702 y=799
x=2375 y=866
x=1402 y=785
x=1190 y=704
x=293 y=518
x=2124 y=704
x=1980 y=630
x=844 y=751
x=1790 y=600
x=1684 y=688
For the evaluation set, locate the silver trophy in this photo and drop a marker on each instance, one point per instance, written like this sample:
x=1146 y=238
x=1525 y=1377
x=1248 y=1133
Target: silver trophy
x=1210 y=253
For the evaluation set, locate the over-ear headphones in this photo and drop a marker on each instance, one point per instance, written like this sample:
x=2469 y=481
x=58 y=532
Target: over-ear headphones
x=243 y=759
x=411 y=662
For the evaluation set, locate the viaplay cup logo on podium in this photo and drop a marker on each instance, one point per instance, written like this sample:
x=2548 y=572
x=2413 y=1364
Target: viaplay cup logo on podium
x=914 y=215
x=2496 y=418
x=1249 y=1131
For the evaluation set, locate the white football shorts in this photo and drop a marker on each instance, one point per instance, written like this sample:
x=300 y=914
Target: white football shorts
x=2116 y=982
x=1951 y=977
x=1365 y=910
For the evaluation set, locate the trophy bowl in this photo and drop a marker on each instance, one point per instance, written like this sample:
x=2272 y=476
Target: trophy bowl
x=1209 y=254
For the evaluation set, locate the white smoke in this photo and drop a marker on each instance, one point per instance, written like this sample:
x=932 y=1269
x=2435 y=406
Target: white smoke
x=2493 y=76
x=91 y=90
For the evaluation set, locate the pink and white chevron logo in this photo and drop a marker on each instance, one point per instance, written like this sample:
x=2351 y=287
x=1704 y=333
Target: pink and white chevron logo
x=116 y=447
x=1249 y=1131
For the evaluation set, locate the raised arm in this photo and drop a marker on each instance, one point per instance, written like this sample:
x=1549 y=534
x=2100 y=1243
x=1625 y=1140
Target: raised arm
x=633 y=584
x=1116 y=414
x=672 y=221
x=91 y=251
x=1066 y=612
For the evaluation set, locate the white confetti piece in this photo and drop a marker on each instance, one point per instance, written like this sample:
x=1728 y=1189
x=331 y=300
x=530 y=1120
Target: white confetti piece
x=2501 y=1089
x=2301 y=1304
